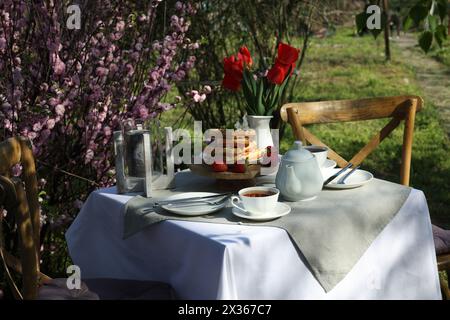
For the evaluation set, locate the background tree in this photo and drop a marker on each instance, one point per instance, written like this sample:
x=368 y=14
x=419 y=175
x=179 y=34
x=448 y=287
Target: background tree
x=428 y=16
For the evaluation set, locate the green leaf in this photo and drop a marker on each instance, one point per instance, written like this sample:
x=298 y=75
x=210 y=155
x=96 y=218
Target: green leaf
x=440 y=34
x=360 y=21
x=259 y=102
x=418 y=13
x=408 y=23
x=249 y=99
x=425 y=40
x=248 y=81
x=432 y=22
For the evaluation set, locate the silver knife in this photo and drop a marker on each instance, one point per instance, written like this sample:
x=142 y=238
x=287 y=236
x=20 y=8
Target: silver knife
x=337 y=174
x=193 y=199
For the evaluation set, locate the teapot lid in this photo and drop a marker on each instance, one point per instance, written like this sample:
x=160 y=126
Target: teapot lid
x=297 y=153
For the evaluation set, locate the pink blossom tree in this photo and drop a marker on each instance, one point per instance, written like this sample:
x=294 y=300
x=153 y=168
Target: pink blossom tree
x=68 y=90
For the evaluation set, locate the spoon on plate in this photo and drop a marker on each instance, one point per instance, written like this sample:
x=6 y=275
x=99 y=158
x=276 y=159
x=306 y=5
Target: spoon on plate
x=337 y=174
x=343 y=178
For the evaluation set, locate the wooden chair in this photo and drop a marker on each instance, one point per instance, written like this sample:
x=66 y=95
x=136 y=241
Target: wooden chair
x=20 y=198
x=397 y=109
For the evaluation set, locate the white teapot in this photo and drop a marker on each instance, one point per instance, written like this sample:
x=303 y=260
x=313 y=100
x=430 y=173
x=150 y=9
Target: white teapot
x=299 y=176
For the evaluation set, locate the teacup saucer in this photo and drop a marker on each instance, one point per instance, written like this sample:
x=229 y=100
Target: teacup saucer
x=280 y=210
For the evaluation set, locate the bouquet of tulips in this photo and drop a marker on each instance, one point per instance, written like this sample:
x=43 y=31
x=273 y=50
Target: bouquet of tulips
x=262 y=90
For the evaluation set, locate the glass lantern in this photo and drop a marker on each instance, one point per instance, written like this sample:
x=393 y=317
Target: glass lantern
x=144 y=160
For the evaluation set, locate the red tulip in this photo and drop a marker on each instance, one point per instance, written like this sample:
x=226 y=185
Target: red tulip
x=244 y=55
x=233 y=68
x=286 y=54
x=292 y=66
x=231 y=83
x=277 y=73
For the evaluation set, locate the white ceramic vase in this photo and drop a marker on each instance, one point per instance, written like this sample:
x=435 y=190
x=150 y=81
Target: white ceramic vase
x=261 y=124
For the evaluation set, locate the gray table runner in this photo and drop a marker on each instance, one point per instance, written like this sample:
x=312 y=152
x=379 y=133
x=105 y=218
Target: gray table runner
x=330 y=233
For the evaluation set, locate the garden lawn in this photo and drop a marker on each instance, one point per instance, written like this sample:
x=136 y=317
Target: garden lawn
x=348 y=67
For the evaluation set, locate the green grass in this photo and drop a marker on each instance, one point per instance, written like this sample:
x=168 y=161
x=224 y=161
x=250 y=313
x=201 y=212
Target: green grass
x=348 y=67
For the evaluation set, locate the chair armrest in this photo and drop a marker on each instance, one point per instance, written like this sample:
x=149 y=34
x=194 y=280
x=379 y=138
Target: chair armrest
x=443 y=262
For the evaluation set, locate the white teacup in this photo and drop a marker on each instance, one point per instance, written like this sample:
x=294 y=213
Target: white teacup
x=319 y=152
x=256 y=201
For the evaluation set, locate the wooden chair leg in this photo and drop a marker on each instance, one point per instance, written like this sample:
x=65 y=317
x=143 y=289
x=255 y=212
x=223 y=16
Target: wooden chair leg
x=28 y=252
x=444 y=285
x=407 y=144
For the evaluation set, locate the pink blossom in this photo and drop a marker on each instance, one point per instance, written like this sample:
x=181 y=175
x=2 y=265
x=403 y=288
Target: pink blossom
x=17 y=170
x=32 y=135
x=101 y=72
x=199 y=97
x=120 y=26
x=107 y=131
x=7 y=124
x=59 y=110
x=130 y=69
x=113 y=68
x=71 y=104
x=37 y=127
x=53 y=102
x=50 y=124
x=142 y=112
x=2 y=43
x=58 y=66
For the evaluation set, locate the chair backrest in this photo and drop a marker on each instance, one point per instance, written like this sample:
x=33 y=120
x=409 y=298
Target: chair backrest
x=23 y=204
x=397 y=108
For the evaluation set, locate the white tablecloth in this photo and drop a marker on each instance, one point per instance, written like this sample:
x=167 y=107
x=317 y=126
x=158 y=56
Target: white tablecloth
x=217 y=261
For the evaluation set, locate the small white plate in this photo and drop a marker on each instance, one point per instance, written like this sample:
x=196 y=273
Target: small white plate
x=281 y=209
x=356 y=179
x=187 y=209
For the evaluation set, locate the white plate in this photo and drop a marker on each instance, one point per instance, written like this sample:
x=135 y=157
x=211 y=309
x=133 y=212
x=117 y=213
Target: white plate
x=281 y=209
x=187 y=209
x=356 y=179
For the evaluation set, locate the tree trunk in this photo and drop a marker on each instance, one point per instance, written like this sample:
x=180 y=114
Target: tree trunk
x=387 y=48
